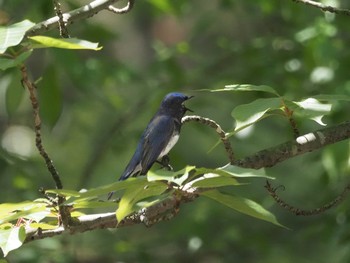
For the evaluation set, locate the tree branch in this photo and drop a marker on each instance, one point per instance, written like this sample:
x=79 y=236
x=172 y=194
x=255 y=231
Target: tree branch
x=303 y=144
x=83 y=12
x=168 y=208
x=161 y=211
x=324 y=8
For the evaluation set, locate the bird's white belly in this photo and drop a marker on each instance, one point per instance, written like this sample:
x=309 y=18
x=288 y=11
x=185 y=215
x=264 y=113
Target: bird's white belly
x=170 y=145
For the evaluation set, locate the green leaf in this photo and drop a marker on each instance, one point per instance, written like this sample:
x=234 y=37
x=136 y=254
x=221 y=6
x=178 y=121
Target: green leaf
x=242 y=205
x=28 y=210
x=6 y=63
x=117 y=186
x=177 y=177
x=65 y=43
x=132 y=195
x=12 y=35
x=248 y=114
x=248 y=87
x=11 y=239
x=313 y=109
x=244 y=172
x=214 y=180
x=50 y=97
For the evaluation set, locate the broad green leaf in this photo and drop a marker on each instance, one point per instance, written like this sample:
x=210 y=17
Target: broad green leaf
x=208 y=172
x=50 y=97
x=248 y=114
x=244 y=172
x=65 y=43
x=153 y=200
x=117 y=186
x=83 y=196
x=6 y=63
x=30 y=210
x=313 y=109
x=248 y=87
x=177 y=177
x=132 y=195
x=11 y=239
x=35 y=213
x=214 y=180
x=12 y=35
x=242 y=205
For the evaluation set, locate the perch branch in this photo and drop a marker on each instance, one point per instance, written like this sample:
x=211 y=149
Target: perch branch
x=83 y=12
x=161 y=211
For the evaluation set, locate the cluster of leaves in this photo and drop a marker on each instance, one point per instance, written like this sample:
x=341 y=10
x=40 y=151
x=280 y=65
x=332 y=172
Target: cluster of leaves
x=136 y=193
x=15 y=48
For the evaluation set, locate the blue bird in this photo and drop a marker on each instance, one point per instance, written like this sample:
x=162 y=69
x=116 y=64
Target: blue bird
x=160 y=135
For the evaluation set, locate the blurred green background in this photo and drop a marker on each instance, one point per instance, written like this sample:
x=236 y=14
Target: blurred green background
x=95 y=105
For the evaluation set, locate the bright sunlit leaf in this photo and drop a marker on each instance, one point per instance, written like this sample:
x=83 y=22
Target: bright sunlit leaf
x=313 y=109
x=248 y=114
x=11 y=239
x=177 y=177
x=65 y=43
x=244 y=172
x=12 y=35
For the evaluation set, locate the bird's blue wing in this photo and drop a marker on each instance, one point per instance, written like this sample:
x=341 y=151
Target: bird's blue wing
x=157 y=137
x=134 y=166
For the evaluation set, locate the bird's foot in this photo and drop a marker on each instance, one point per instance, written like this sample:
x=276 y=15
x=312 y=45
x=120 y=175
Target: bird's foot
x=165 y=163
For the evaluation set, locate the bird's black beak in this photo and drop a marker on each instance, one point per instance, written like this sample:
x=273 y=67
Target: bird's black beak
x=187 y=109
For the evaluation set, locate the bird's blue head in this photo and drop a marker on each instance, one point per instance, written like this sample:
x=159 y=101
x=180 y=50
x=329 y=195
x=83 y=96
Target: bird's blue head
x=173 y=104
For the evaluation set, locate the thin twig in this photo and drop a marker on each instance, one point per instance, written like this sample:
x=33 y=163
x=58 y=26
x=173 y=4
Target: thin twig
x=289 y=114
x=30 y=86
x=214 y=125
x=61 y=24
x=324 y=8
x=298 y=211
x=80 y=13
